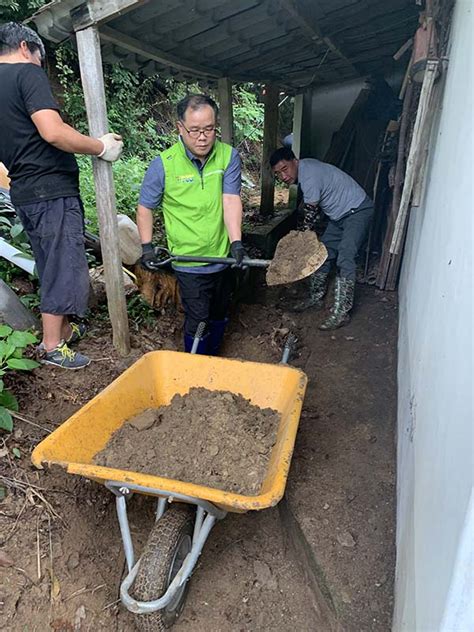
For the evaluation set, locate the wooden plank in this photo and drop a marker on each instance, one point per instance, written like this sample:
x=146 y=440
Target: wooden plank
x=418 y=185
x=226 y=117
x=133 y=45
x=270 y=132
x=90 y=62
x=412 y=162
x=385 y=259
x=100 y=11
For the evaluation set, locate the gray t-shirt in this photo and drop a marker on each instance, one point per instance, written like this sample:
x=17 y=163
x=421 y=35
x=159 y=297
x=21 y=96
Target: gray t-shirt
x=334 y=191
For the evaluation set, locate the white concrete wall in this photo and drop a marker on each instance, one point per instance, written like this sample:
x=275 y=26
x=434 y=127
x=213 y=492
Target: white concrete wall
x=435 y=416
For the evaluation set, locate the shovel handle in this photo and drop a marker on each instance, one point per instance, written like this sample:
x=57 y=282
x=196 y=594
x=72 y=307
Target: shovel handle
x=167 y=257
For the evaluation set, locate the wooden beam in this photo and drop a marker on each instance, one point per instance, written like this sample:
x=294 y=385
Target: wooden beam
x=270 y=135
x=312 y=31
x=96 y=12
x=226 y=117
x=133 y=45
x=90 y=62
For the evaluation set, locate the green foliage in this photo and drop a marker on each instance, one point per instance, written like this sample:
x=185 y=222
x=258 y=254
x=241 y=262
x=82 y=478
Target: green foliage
x=128 y=176
x=140 y=312
x=12 y=345
x=18 y=10
x=248 y=115
x=11 y=229
x=130 y=102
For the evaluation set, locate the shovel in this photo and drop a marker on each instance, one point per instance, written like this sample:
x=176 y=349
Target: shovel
x=165 y=257
x=297 y=256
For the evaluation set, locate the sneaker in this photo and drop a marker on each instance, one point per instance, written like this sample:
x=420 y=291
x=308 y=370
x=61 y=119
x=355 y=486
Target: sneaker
x=63 y=357
x=78 y=332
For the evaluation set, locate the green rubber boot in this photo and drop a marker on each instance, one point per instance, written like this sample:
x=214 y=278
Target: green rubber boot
x=318 y=285
x=343 y=302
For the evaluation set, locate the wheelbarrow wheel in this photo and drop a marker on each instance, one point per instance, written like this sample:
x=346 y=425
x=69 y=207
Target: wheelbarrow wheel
x=168 y=544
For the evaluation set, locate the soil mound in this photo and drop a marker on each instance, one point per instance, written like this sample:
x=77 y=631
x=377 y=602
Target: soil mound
x=213 y=438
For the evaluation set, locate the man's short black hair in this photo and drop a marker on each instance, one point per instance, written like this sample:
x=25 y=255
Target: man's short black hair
x=195 y=102
x=284 y=153
x=13 y=34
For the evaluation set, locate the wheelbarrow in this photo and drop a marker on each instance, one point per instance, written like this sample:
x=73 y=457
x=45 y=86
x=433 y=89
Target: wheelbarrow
x=154 y=588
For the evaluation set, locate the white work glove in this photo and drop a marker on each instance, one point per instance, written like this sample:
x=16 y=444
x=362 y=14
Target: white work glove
x=113 y=146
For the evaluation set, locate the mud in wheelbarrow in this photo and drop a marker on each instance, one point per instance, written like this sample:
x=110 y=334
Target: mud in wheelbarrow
x=158 y=579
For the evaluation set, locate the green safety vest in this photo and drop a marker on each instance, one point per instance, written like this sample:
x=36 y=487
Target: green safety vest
x=192 y=203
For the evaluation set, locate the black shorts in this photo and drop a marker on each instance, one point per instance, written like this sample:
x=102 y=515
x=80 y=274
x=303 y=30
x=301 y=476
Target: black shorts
x=56 y=232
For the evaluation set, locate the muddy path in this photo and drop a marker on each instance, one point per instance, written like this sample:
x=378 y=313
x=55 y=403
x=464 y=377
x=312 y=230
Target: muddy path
x=60 y=533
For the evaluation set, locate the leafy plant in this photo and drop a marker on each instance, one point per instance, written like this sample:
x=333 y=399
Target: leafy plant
x=12 y=345
x=140 y=313
x=128 y=177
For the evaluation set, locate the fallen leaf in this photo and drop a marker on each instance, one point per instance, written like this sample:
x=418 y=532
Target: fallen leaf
x=55 y=587
x=3 y=452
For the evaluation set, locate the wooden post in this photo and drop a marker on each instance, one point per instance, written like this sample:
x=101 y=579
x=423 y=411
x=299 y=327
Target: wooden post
x=226 y=116
x=297 y=124
x=270 y=135
x=90 y=61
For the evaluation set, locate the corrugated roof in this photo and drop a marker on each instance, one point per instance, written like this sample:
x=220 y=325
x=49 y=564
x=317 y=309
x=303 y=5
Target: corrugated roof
x=292 y=42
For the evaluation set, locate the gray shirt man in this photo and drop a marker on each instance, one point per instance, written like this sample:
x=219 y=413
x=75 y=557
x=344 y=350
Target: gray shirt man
x=335 y=192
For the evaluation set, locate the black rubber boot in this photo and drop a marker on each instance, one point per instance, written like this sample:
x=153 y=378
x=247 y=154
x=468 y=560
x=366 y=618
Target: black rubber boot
x=343 y=302
x=318 y=285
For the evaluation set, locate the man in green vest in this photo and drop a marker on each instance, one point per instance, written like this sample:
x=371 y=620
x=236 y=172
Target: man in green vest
x=196 y=183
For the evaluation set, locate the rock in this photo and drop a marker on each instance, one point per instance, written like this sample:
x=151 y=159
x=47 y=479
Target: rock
x=73 y=561
x=144 y=420
x=214 y=450
x=5 y=560
x=264 y=575
x=346 y=539
x=345 y=597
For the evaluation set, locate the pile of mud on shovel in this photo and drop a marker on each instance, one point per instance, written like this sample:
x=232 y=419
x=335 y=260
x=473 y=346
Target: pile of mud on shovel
x=297 y=255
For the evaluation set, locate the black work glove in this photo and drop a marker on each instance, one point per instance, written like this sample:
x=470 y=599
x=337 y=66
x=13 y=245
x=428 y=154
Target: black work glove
x=148 y=260
x=238 y=253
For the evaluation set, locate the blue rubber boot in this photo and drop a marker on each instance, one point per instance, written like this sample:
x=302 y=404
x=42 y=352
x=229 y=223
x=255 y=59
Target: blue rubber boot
x=216 y=334
x=203 y=346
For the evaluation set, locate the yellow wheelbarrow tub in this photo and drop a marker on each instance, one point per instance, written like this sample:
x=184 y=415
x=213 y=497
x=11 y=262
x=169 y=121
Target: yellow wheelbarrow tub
x=151 y=382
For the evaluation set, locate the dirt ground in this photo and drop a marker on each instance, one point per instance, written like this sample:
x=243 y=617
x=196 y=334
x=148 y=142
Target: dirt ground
x=60 y=533
x=213 y=438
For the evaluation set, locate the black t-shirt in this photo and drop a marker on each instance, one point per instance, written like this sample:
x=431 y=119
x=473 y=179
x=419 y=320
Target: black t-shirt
x=38 y=171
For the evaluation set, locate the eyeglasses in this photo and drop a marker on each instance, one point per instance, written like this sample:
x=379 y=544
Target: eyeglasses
x=206 y=131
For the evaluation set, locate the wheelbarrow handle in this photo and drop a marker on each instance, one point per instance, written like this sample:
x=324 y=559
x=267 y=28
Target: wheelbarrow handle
x=167 y=257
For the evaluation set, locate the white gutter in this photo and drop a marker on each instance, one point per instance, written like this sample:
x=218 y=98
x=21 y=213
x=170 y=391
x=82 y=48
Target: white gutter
x=16 y=257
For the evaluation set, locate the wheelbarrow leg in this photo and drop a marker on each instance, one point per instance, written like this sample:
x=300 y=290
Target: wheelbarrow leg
x=121 y=505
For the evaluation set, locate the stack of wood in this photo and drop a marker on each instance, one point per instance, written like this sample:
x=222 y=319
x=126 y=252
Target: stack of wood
x=421 y=95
